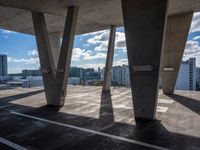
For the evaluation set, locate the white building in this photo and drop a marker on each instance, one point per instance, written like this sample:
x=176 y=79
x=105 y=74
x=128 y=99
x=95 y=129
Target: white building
x=120 y=75
x=187 y=75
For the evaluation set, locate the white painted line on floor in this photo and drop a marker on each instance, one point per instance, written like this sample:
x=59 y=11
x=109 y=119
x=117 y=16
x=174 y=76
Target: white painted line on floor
x=92 y=131
x=11 y=144
x=165 y=101
x=122 y=106
x=162 y=109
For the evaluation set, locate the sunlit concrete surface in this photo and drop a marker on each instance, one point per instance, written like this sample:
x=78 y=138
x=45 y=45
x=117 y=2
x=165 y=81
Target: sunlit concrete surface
x=90 y=120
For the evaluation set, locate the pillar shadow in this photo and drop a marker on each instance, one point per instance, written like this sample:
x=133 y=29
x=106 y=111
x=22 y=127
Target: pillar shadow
x=151 y=132
x=192 y=104
x=106 y=113
x=19 y=96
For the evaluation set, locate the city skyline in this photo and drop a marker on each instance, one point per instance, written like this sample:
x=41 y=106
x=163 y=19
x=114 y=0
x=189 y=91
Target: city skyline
x=89 y=49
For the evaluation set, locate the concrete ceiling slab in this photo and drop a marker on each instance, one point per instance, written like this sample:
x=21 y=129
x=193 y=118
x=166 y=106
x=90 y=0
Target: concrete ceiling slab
x=94 y=15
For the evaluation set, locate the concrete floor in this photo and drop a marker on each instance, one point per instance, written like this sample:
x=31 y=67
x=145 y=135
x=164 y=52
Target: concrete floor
x=91 y=121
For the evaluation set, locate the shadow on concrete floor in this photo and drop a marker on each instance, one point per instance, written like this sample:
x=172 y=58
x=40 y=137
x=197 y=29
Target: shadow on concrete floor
x=106 y=107
x=35 y=134
x=19 y=96
x=188 y=102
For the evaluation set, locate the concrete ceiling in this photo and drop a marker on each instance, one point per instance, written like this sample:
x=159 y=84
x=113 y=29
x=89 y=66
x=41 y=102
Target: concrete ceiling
x=94 y=15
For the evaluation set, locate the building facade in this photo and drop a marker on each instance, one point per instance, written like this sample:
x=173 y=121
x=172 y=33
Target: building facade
x=198 y=78
x=76 y=72
x=3 y=65
x=27 y=73
x=187 y=75
x=120 y=75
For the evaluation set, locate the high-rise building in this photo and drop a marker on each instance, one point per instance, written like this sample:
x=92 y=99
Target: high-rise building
x=198 y=74
x=187 y=75
x=87 y=71
x=120 y=75
x=198 y=78
x=3 y=65
x=91 y=74
x=76 y=72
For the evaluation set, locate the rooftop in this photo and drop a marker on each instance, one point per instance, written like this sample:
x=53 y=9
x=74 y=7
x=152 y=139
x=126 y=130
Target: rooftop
x=92 y=120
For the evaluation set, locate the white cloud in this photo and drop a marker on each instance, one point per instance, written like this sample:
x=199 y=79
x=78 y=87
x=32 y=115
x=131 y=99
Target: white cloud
x=7 y=31
x=25 y=61
x=102 y=47
x=120 y=42
x=33 y=53
x=82 y=54
x=95 y=56
x=196 y=38
x=98 y=39
x=77 y=53
x=33 y=58
x=86 y=45
x=95 y=66
x=102 y=41
x=192 y=50
x=195 y=26
x=102 y=65
x=121 y=62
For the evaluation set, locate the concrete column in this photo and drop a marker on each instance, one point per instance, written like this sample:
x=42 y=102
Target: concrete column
x=64 y=61
x=175 y=39
x=55 y=46
x=144 y=23
x=47 y=65
x=109 y=60
x=55 y=78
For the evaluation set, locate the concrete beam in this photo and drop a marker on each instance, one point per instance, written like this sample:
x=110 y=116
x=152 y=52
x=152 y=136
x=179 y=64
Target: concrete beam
x=144 y=23
x=55 y=46
x=55 y=78
x=177 y=30
x=109 y=60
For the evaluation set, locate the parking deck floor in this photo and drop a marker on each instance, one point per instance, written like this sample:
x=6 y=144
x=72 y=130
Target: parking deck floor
x=90 y=120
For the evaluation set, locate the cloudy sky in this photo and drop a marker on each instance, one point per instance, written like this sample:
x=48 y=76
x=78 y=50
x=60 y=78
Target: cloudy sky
x=89 y=49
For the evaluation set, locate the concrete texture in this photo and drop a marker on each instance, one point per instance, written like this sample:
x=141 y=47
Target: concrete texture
x=55 y=76
x=47 y=65
x=178 y=128
x=94 y=15
x=109 y=60
x=55 y=46
x=144 y=39
x=63 y=68
x=177 y=30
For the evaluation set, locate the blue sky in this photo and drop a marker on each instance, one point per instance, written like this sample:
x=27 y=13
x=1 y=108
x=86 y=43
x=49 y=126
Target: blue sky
x=89 y=49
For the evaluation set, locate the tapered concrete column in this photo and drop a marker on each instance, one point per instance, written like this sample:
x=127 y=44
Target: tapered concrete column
x=55 y=77
x=144 y=23
x=176 y=36
x=109 y=60
x=64 y=61
x=55 y=46
x=45 y=54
